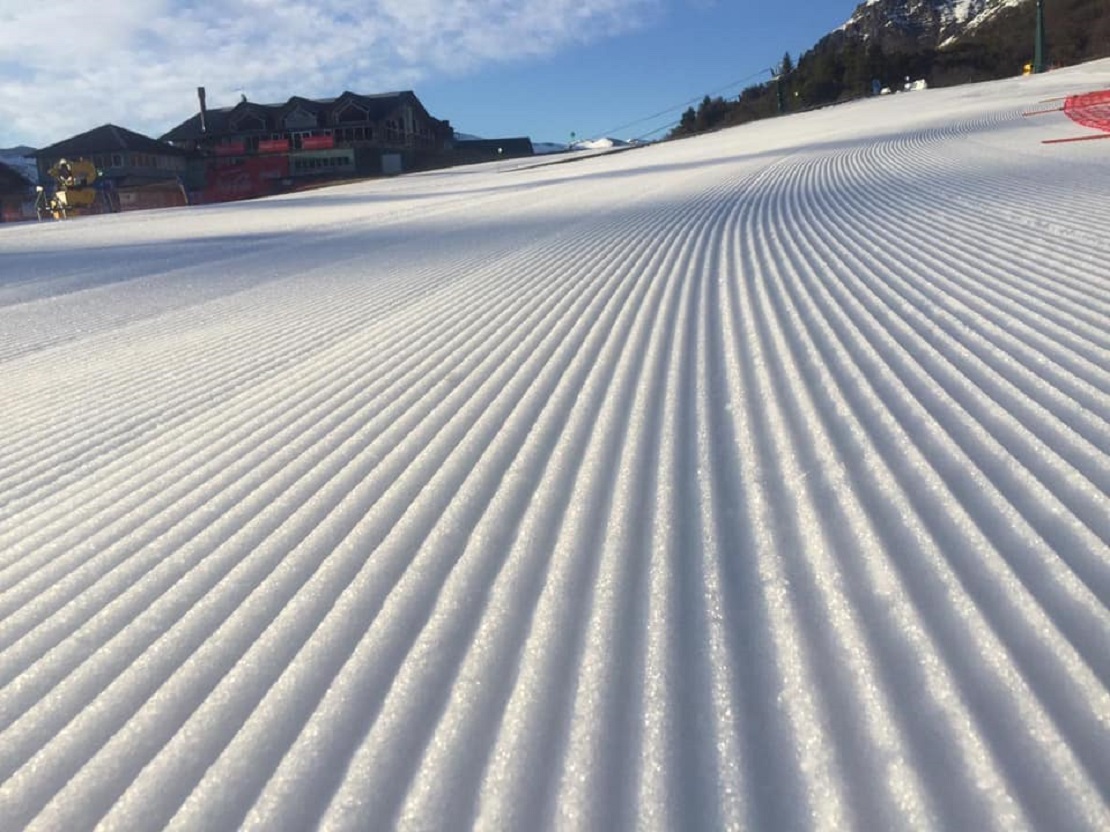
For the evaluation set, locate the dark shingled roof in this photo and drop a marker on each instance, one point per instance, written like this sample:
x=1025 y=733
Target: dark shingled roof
x=12 y=181
x=218 y=120
x=189 y=130
x=107 y=138
x=516 y=146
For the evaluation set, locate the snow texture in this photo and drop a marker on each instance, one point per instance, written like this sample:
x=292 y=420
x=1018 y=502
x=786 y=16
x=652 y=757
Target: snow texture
x=757 y=480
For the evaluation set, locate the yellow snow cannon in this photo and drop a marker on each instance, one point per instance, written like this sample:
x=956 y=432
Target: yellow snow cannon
x=75 y=191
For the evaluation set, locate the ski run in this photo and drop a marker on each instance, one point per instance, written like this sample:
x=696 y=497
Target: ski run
x=759 y=480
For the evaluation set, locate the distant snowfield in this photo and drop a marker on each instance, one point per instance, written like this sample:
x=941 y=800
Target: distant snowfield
x=758 y=480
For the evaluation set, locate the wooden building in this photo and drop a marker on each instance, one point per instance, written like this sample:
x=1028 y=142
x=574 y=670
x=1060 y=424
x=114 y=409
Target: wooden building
x=252 y=149
x=17 y=195
x=134 y=171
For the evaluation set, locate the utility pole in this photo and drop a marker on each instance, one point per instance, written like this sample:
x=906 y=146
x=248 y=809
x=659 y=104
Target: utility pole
x=780 y=94
x=1038 y=45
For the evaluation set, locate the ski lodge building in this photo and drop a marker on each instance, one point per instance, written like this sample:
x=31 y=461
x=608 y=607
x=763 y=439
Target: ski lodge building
x=253 y=149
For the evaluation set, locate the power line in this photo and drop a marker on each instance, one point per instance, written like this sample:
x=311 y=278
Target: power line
x=614 y=130
x=667 y=126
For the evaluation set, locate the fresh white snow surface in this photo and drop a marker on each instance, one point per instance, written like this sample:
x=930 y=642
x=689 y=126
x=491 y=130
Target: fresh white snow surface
x=758 y=480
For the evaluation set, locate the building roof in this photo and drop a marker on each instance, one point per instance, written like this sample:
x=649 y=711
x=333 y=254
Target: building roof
x=516 y=146
x=107 y=138
x=218 y=120
x=18 y=159
x=12 y=180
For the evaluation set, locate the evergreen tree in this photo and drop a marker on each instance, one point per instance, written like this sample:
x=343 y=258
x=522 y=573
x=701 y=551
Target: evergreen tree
x=689 y=121
x=876 y=64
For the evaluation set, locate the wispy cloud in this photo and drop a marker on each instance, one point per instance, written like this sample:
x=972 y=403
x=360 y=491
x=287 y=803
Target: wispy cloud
x=68 y=65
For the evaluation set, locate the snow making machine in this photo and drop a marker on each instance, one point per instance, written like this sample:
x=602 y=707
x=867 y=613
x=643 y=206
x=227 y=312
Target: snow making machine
x=75 y=190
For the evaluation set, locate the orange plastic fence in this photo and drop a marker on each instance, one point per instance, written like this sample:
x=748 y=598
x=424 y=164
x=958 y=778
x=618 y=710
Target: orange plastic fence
x=1091 y=109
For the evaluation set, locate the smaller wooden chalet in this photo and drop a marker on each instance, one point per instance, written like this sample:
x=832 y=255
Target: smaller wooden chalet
x=135 y=171
x=17 y=195
x=251 y=149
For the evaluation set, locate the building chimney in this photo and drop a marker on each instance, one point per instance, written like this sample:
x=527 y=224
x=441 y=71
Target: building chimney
x=203 y=111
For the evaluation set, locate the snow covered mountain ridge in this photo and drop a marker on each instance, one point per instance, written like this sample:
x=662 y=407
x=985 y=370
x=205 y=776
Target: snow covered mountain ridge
x=921 y=23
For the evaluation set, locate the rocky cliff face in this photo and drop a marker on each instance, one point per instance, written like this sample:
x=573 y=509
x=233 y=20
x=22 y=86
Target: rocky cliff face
x=899 y=25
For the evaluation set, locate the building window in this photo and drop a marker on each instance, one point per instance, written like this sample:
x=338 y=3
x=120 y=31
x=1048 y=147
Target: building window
x=351 y=114
x=248 y=121
x=300 y=119
x=325 y=164
x=117 y=160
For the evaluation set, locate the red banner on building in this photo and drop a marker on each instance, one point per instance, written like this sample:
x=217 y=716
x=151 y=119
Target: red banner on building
x=254 y=176
x=317 y=142
x=273 y=146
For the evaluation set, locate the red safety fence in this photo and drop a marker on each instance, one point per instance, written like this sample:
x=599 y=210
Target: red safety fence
x=1091 y=109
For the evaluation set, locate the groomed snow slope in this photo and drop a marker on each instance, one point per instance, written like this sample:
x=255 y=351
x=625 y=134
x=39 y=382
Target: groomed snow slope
x=755 y=480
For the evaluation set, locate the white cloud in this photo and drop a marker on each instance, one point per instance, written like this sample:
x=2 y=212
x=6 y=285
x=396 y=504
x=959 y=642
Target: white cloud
x=70 y=65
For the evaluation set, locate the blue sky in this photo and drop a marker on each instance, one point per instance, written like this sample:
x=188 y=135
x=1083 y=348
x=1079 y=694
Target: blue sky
x=492 y=67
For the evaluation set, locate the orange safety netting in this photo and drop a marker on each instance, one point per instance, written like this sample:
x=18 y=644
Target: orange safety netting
x=1091 y=109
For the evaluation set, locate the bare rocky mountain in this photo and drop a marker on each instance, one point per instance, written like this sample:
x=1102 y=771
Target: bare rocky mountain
x=908 y=25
